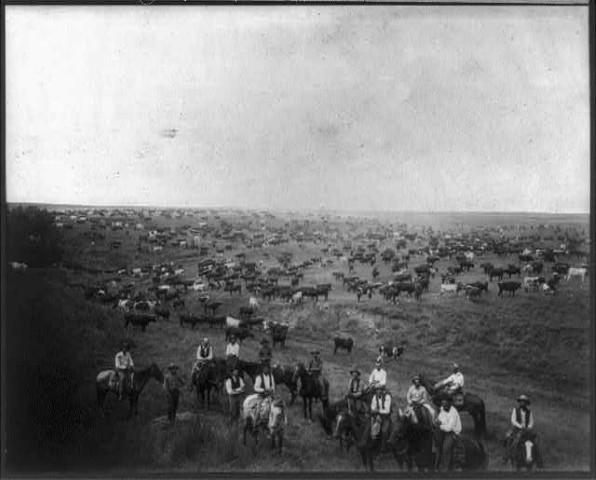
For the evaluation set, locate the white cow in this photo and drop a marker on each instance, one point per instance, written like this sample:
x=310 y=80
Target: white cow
x=469 y=256
x=531 y=283
x=232 y=322
x=577 y=272
x=18 y=266
x=450 y=288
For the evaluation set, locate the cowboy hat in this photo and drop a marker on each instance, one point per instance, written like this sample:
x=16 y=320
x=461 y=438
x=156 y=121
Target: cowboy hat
x=455 y=366
x=523 y=398
x=172 y=366
x=354 y=369
x=416 y=377
x=205 y=340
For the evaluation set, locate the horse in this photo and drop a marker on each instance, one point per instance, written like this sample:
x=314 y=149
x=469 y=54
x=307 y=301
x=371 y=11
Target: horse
x=310 y=389
x=472 y=404
x=285 y=375
x=412 y=438
x=139 y=380
x=524 y=455
x=206 y=379
x=277 y=419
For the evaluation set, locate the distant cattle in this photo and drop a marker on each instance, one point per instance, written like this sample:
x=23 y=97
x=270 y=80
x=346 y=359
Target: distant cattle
x=343 y=343
x=532 y=283
x=472 y=292
x=138 y=320
x=496 y=272
x=512 y=270
x=508 y=286
x=391 y=350
x=190 y=319
x=451 y=288
x=18 y=266
x=279 y=333
x=577 y=272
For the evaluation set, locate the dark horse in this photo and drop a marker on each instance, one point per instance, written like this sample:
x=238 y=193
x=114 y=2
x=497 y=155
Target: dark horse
x=412 y=437
x=209 y=377
x=139 y=380
x=473 y=404
x=310 y=389
x=524 y=455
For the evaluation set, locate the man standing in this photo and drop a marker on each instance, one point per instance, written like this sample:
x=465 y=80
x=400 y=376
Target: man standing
x=380 y=409
x=172 y=385
x=232 y=352
x=235 y=389
x=204 y=355
x=265 y=352
x=378 y=377
x=124 y=369
x=315 y=368
x=449 y=425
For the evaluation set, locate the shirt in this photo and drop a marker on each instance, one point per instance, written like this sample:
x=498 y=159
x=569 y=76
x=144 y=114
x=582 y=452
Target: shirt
x=204 y=352
x=233 y=349
x=455 y=380
x=264 y=382
x=234 y=386
x=173 y=382
x=123 y=361
x=381 y=405
x=316 y=365
x=523 y=419
x=450 y=421
x=378 y=377
x=355 y=385
x=417 y=395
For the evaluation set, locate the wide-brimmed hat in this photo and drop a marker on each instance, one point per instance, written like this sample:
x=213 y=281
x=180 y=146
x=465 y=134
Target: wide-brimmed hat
x=455 y=366
x=205 y=340
x=354 y=370
x=172 y=366
x=416 y=377
x=523 y=398
x=125 y=344
x=232 y=336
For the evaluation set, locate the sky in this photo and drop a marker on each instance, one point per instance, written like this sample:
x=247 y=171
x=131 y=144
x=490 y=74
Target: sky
x=387 y=108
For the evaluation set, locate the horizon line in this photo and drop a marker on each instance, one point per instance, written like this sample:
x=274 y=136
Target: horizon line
x=322 y=211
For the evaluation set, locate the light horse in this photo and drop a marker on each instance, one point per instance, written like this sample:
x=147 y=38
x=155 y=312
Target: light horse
x=276 y=421
x=139 y=380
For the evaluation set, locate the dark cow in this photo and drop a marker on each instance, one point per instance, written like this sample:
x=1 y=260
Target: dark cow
x=343 y=343
x=138 y=320
x=241 y=333
x=496 y=273
x=279 y=334
x=508 y=286
x=482 y=286
x=512 y=270
x=162 y=312
x=216 y=321
x=391 y=350
x=487 y=267
x=323 y=290
x=191 y=319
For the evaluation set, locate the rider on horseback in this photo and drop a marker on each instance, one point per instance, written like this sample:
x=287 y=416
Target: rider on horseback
x=315 y=368
x=124 y=369
x=354 y=395
x=380 y=409
x=417 y=396
x=265 y=387
x=378 y=376
x=232 y=352
x=453 y=384
x=522 y=422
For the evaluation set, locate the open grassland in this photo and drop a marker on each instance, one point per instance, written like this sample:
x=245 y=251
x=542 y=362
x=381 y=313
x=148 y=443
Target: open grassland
x=535 y=344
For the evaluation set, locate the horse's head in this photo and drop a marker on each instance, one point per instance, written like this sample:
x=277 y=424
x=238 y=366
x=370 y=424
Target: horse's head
x=299 y=371
x=277 y=416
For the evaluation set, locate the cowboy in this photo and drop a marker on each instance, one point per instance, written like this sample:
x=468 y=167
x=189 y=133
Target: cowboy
x=355 y=390
x=380 y=409
x=522 y=422
x=454 y=383
x=265 y=351
x=315 y=368
x=265 y=387
x=124 y=369
x=378 y=377
x=172 y=385
x=232 y=351
x=235 y=389
x=449 y=425
x=417 y=397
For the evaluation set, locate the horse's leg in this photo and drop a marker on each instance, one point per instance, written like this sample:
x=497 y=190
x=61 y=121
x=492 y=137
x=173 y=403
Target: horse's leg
x=281 y=441
x=304 y=406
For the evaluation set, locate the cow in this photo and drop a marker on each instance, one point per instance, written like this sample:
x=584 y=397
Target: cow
x=508 y=286
x=451 y=288
x=512 y=270
x=391 y=350
x=323 y=290
x=472 y=292
x=343 y=343
x=241 y=333
x=532 y=283
x=496 y=272
x=279 y=334
x=162 y=312
x=482 y=286
x=560 y=268
x=216 y=321
x=138 y=320
x=487 y=267
x=191 y=319
x=18 y=266
x=580 y=272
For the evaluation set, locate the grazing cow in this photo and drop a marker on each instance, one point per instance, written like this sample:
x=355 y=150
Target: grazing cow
x=191 y=319
x=508 y=286
x=577 y=272
x=482 y=286
x=216 y=321
x=532 y=283
x=391 y=350
x=138 y=320
x=487 y=267
x=241 y=333
x=512 y=270
x=451 y=288
x=560 y=268
x=472 y=292
x=343 y=343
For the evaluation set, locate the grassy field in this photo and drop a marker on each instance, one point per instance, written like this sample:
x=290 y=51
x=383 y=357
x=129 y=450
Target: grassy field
x=533 y=344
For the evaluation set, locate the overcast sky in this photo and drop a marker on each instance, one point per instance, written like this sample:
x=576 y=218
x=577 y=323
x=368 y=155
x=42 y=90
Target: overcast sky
x=347 y=108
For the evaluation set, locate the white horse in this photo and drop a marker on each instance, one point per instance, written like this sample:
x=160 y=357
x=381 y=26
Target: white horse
x=256 y=412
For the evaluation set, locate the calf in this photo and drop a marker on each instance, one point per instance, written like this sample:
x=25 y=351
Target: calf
x=343 y=343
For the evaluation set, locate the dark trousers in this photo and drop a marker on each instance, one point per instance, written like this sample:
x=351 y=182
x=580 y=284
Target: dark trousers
x=445 y=443
x=173 y=397
x=235 y=401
